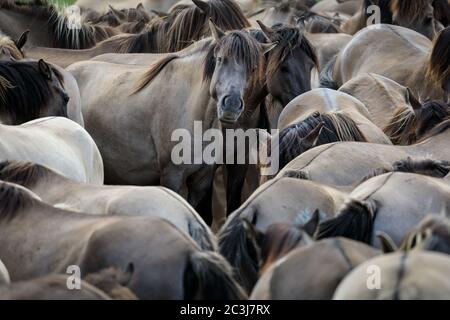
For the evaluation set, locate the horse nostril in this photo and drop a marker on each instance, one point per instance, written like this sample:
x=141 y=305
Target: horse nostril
x=66 y=98
x=233 y=103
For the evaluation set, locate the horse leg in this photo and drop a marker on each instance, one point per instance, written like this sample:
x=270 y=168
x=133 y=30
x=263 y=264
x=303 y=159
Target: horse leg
x=200 y=192
x=235 y=180
x=174 y=179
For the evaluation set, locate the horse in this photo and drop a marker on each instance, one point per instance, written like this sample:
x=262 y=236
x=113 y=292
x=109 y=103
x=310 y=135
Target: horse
x=348 y=7
x=388 y=203
x=225 y=95
x=348 y=163
x=119 y=18
x=4 y=274
x=57 y=143
x=405 y=276
x=417 y=69
x=284 y=200
x=48 y=28
x=317 y=269
x=384 y=98
x=173 y=33
x=166 y=263
x=57 y=190
x=12 y=48
x=328 y=45
x=103 y=6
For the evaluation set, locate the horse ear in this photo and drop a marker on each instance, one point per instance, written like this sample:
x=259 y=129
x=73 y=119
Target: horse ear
x=140 y=7
x=45 y=70
x=159 y=13
x=256 y=235
x=22 y=40
x=268 y=46
x=119 y=15
x=268 y=32
x=387 y=244
x=204 y=6
x=311 y=139
x=310 y=227
x=216 y=32
x=412 y=100
x=125 y=278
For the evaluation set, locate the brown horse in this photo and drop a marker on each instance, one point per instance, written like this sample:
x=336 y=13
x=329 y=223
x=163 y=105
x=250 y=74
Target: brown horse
x=284 y=200
x=166 y=264
x=404 y=276
x=317 y=269
x=57 y=190
x=415 y=62
x=30 y=90
x=48 y=28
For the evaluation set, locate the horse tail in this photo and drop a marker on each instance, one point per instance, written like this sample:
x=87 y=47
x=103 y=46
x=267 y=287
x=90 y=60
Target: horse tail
x=326 y=76
x=209 y=276
x=240 y=252
x=354 y=221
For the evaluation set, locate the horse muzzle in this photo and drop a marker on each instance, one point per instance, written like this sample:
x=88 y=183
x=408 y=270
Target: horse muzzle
x=230 y=109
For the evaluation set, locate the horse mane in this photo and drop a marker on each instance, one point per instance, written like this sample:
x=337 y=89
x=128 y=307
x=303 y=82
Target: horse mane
x=279 y=240
x=159 y=65
x=337 y=127
x=438 y=69
x=64 y=37
x=7 y=43
x=407 y=126
x=12 y=199
x=24 y=90
x=316 y=23
x=385 y=8
x=442 y=11
x=408 y=10
x=440 y=128
x=426 y=167
x=354 y=221
x=288 y=38
x=24 y=173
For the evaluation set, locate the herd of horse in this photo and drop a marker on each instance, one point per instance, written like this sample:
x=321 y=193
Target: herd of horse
x=358 y=91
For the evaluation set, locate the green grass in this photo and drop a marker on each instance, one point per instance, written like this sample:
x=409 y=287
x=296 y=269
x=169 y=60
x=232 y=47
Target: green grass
x=62 y=2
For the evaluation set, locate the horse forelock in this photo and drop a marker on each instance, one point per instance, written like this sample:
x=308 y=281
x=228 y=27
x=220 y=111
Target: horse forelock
x=24 y=90
x=243 y=48
x=288 y=39
x=227 y=15
x=409 y=10
x=438 y=69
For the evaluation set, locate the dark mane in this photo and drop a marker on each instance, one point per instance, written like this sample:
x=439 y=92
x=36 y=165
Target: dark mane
x=64 y=37
x=279 y=240
x=12 y=199
x=442 y=127
x=23 y=90
x=316 y=23
x=184 y=25
x=442 y=11
x=337 y=127
x=288 y=38
x=439 y=62
x=385 y=8
x=10 y=45
x=22 y=172
x=408 y=10
x=407 y=126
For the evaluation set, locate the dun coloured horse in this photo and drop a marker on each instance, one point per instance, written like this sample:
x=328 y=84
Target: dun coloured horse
x=57 y=143
x=59 y=191
x=166 y=263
